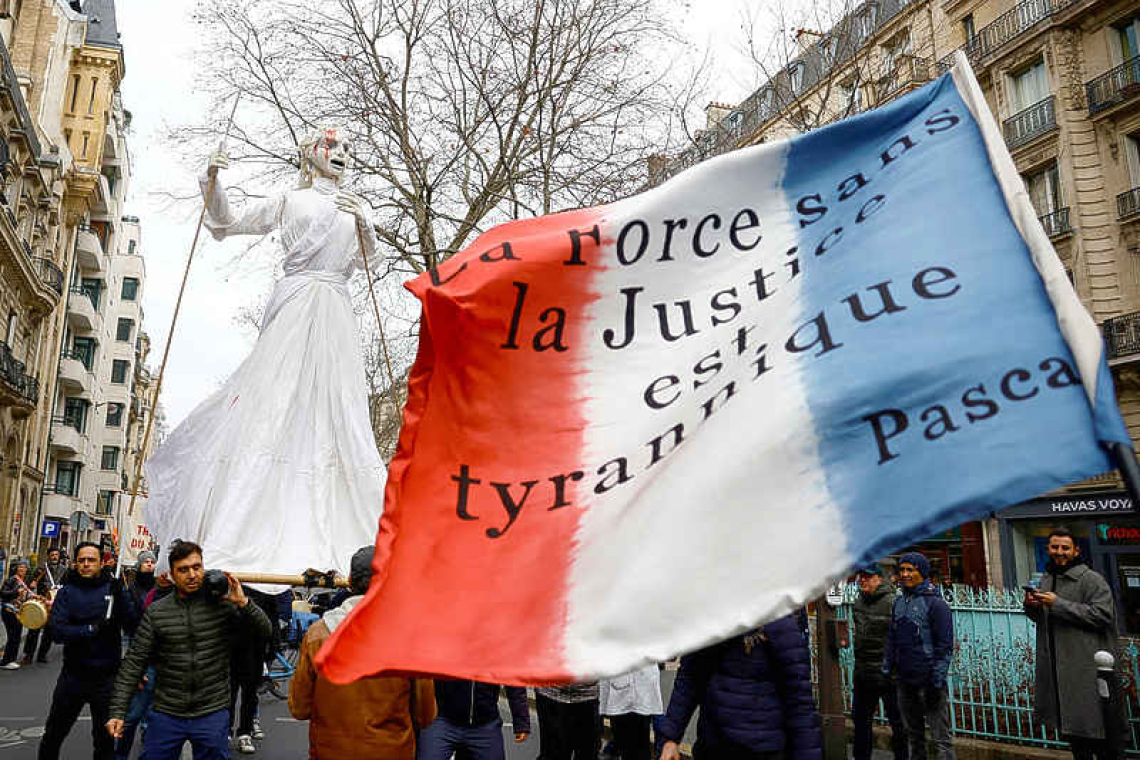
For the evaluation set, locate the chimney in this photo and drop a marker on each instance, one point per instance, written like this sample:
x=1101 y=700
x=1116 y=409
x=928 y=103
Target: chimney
x=714 y=112
x=805 y=38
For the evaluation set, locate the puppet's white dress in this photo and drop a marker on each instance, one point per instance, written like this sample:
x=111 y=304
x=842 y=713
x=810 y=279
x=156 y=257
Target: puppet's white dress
x=278 y=470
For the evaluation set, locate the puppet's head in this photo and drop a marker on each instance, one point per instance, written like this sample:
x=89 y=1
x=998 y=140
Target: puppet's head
x=323 y=153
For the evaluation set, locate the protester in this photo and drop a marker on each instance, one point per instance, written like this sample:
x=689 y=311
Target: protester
x=373 y=717
x=872 y=617
x=141 y=702
x=49 y=578
x=630 y=701
x=13 y=594
x=569 y=726
x=755 y=697
x=920 y=644
x=88 y=616
x=187 y=636
x=1075 y=618
x=469 y=724
x=141 y=581
x=248 y=662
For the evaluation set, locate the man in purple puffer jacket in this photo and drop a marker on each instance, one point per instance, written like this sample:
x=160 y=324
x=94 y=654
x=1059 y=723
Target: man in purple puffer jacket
x=755 y=696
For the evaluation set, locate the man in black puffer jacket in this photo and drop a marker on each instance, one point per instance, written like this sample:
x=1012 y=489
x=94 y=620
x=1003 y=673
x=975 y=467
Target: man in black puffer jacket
x=89 y=615
x=469 y=720
x=755 y=696
x=187 y=636
x=872 y=613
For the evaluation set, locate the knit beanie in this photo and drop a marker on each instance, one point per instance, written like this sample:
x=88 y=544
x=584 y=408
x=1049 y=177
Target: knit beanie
x=920 y=562
x=143 y=557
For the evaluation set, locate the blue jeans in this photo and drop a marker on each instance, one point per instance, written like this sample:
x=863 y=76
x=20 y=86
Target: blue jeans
x=136 y=714
x=439 y=740
x=208 y=736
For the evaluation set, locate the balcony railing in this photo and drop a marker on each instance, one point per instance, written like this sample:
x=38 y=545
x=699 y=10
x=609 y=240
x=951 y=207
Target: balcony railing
x=1020 y=19
x=1114 y=87
x=1128 y=203
x=1122 y=335
x=51 y=275
x=1031 y=123
x=1057 y=223
x=14 y=374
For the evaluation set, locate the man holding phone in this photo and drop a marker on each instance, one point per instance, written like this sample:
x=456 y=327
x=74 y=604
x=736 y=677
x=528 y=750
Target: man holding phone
x=1075 y=618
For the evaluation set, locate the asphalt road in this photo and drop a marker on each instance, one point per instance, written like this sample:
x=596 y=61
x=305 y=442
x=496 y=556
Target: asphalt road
x=25 y=696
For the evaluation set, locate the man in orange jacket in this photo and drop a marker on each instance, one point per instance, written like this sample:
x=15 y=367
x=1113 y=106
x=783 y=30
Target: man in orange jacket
x=370 y=718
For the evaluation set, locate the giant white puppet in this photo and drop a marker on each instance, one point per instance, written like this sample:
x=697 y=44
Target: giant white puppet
x=278 y=470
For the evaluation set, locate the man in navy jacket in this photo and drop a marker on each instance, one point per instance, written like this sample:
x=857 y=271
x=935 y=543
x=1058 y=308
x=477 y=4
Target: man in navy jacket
x=755 y=696
x=88 y=616
x=468 y=723
x=920 y=645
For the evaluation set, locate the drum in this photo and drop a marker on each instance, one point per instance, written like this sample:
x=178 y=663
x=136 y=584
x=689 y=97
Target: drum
x=33 y=614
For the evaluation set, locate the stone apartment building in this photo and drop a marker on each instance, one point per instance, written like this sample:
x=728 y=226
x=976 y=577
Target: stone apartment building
x=1062 y=78
x=66 y=64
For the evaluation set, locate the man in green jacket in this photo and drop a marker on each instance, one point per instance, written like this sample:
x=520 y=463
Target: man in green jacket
x=187 y=636
x=872 y=614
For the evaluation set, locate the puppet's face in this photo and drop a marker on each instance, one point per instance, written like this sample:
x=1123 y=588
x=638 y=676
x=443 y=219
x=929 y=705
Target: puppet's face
x=329 y=156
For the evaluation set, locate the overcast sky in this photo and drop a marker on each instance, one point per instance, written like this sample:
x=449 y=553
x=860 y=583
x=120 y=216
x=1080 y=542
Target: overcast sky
x=158 y=41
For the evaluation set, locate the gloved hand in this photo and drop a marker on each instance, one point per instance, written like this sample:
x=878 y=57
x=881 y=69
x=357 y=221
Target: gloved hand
x=350 y=203
x=218 y=160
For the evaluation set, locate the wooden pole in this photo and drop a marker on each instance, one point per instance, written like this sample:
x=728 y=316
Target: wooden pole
x=174 y=321
x=376 y=310
x=290 y=580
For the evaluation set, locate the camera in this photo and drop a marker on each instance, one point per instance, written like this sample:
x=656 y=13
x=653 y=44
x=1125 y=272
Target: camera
x=216 y=584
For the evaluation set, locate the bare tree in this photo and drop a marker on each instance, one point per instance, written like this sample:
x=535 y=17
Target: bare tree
x=463 y=113
x=816 y=62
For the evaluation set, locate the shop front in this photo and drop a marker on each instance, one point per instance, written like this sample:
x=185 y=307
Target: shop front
x=1107 y=531
x=957 y=556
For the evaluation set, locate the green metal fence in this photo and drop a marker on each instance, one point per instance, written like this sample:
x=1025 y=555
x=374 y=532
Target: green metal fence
x=991 y=679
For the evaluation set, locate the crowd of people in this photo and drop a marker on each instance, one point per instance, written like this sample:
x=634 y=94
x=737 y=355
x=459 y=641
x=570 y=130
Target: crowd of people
x=190 y=653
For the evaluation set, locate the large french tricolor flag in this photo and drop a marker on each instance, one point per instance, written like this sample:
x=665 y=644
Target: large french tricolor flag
x=636 y=429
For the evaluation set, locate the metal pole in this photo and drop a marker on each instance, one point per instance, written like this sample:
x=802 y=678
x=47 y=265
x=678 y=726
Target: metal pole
x=1107 y=690
x=1125 y=460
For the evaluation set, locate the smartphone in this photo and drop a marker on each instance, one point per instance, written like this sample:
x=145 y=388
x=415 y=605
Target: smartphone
x=1031 y=590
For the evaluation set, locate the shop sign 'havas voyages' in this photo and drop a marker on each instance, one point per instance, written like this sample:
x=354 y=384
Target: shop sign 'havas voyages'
x=636 y=429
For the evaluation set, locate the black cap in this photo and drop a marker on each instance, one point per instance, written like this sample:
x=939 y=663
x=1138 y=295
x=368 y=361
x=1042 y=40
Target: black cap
x=360 y=566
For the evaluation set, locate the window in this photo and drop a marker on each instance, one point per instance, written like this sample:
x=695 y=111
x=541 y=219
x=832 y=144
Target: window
x=130 y=287
x=829 y=46
x=1128 y=37
x=75 y=413
x=106 y=503
x=67 y=478
x=115 y=415
x=119 y=368
x=1044 y=188
x=865 y=22
x=893 y=51
x=94 y=89
x=1132 y=153
x=968 y=28
x=131 y=249
x=84 y=350
x=94 y=291
x=74 y=93
x=796 y=77
x=766 y=98
x=86 y=142
x=10 y=335
x=1028 y=87
x=124 y=329
x=110 y=458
